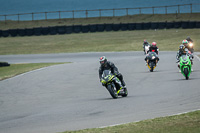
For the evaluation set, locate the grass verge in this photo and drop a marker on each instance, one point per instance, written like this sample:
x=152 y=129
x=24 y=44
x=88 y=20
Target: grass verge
x=167 y=40
x=16 y=69
x=184 y=123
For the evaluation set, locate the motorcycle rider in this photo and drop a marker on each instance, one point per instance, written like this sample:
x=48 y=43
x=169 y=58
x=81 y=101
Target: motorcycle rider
x=190 y=48
x=153 y=48
x=189 y=39
x=108 y=65
x=145 y=43
x=182 y=51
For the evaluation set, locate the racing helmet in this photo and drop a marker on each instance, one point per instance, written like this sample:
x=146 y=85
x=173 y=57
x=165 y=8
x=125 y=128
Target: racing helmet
x=181 y=47
x=154 y=44
x=103 y=60
x=185 y=42
x=188 y=38
x=145 y=41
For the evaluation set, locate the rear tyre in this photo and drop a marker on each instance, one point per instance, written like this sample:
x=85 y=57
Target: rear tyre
x=112 y=91
x=125 y=93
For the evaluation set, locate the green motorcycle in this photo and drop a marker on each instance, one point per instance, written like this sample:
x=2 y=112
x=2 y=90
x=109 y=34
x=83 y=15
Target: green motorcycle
x=109 y=81
x=185 y=66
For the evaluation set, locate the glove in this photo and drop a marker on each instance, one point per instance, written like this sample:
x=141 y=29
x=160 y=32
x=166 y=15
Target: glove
x=102 y=83
x=116 y=73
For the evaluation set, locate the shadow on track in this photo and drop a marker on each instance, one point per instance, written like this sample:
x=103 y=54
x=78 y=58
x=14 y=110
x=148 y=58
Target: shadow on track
x=110 y=98
x=183 y=79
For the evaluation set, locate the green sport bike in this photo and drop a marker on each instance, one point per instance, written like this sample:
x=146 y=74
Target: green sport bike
x=109 y=81
x=185 y=66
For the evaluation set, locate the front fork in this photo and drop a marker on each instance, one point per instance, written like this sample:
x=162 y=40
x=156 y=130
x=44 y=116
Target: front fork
x=119 y=84
x=185 y=67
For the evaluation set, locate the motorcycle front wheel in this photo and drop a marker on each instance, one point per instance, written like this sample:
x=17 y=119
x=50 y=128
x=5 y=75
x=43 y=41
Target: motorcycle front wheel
x=186 y=73
x=151 y=66
x=112 y=91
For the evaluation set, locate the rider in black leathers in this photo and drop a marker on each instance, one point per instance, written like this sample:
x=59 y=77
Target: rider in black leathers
x=183 y=50
x=107 y=65
x=153 y=48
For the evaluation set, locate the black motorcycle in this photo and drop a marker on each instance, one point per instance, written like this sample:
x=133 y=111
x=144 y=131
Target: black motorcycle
x=108 y=79
x=151 y=61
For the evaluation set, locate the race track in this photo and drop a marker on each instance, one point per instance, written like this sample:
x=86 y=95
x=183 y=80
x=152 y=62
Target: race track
x=70 y=96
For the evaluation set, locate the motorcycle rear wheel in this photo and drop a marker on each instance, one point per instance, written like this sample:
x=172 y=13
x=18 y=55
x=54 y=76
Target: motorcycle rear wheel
x=125 y=93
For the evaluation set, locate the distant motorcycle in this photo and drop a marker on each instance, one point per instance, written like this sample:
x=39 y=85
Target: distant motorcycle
x=151 y=61
x=146 y=49
x=191 y=47
x=185 y=66
x=108 y=79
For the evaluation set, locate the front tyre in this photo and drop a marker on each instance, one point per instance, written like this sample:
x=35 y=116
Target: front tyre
x=151 y=66
x=112 y=91
x=186 y=73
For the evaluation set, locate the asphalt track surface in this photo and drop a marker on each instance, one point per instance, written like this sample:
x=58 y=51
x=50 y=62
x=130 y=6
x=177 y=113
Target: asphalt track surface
x=70 y=96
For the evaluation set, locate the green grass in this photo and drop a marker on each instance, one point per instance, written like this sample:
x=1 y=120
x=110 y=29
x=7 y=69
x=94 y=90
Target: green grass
x=102 y=20
x=16 y=69
x=185 y=123
x=167 y=40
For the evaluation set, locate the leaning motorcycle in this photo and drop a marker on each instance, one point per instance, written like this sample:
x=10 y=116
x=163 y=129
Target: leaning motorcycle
x=185 y=66
x=108 y=79
x=151 y=61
